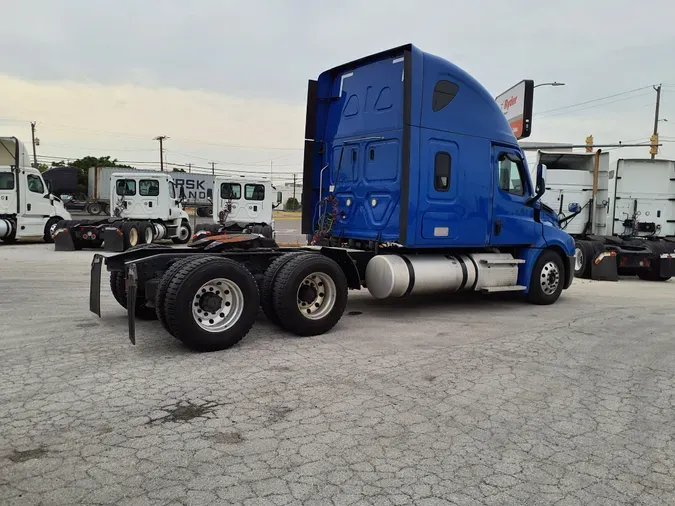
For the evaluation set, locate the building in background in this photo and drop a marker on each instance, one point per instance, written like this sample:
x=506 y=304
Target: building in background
x=287 y=191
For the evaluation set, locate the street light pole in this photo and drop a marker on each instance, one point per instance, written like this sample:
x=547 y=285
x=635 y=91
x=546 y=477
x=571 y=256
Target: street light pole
x=554 y=83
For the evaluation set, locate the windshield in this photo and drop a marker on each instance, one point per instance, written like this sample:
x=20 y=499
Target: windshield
x=6 y=181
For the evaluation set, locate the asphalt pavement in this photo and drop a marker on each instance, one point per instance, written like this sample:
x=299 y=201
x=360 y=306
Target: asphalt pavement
x=466 y=400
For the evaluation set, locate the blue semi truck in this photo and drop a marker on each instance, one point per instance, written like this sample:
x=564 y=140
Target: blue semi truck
x=413 y=183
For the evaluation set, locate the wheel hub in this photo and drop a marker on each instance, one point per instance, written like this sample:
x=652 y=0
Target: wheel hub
x=316 y=296
x=217 y=305
x=550 y=278
x=578 y=259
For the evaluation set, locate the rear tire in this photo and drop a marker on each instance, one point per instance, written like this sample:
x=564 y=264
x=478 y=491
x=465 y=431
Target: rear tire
x=164 y=282
x=119 y=291
x=94 y=208
x=267 y=231
x=130 y=234
x=267 y=288
x=548 y=276
x=146 y=232
x=583 y=258
x=310 y=294
x=219 y=321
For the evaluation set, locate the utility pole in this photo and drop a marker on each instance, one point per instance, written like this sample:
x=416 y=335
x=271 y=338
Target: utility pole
x=161 y=151
x=189 y=168
x=32 y=131
x=213 y=168
x=294 y=185
x=655 y=138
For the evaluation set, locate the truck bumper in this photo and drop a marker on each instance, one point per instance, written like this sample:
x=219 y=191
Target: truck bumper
x=569 y=272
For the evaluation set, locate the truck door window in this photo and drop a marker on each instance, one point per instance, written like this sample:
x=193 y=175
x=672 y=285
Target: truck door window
x=35 y=184
x=444 y=93
x=442 y=171
x=148 y=187
x=125 y=187
x=254 y=192
x=6 y=180
x=230 y=191
x=511 y=176
x=172 y=190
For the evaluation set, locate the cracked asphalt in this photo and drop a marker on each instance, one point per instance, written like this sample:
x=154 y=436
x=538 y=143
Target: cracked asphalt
x=466 y=401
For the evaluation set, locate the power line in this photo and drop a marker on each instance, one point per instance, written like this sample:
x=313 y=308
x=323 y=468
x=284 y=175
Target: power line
x=593 y=100
x=590 y=106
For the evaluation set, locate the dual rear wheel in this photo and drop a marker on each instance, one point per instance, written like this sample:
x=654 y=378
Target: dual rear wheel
x=210 y=302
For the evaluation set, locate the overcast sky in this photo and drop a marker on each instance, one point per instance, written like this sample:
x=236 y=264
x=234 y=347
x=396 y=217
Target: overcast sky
x=226 y=80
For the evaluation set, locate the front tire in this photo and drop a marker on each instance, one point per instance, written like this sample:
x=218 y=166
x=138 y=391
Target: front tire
x=50 y=228
x=546 y=282
x=310 y=294
x=211 y=303
x=183 y=234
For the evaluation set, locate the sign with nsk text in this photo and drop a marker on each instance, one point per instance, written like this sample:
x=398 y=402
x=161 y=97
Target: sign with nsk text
x=516 y=104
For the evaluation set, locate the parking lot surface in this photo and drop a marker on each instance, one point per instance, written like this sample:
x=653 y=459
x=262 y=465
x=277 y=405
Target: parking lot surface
x=446 y=400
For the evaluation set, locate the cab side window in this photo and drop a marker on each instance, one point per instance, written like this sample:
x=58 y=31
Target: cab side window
x=35 y=184
x=511 y=178
x=125 y=187
x=148 y=187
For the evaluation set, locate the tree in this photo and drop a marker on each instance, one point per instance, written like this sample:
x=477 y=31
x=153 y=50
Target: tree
x=292 y=204
x=84 y=164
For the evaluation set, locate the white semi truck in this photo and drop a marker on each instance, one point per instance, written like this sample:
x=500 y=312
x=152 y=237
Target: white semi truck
x=145 y=207
x=27 y=208
x=242 y=205
x=627 y=212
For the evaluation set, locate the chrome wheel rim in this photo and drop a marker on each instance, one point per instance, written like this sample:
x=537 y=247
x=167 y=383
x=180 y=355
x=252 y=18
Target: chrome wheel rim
x=52 y=229
x=133 y=237
x=316 y=296
x=148 y=235
x=182 y=233
x=578 y=259
x=217 y=305
x=549 y=278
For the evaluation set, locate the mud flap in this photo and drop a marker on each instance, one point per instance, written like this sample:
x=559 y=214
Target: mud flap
x=113 y=239
x=63 y=241
x=95 y=285
x=132 y=287
x=604 y=267
x=667 y=265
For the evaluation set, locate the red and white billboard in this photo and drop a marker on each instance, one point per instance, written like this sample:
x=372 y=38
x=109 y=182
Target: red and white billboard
x=516 y=104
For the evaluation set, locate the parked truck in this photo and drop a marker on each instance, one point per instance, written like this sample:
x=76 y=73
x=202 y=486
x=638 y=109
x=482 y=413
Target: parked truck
x=242 y=205
x=147 y=207
x=28 y=210
x=198 y=189
x=413 y=183
x=625 y=212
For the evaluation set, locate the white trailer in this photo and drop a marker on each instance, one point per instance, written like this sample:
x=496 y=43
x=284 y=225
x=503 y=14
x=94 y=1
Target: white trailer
x=146 y=207
x=627 y=212
x=28 y=210
x=242 y=205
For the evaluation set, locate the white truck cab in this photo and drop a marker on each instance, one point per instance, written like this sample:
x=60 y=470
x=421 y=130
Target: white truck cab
x=27 y=208
x=244 y=202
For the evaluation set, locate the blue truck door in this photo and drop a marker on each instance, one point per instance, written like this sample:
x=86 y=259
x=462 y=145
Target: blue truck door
x=513 y=221
x=449 y=212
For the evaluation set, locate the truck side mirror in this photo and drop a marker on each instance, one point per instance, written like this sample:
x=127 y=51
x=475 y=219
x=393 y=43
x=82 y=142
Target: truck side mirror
x=49 y=185
x=181 y=192
x=540 y=187
x=574 y=208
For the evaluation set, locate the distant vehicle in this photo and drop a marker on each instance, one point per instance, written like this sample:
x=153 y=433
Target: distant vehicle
x=626 y=213
x=147 y=207
x=28 y=210
x=198 y=189
x=242 y=205
x=413 y=183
